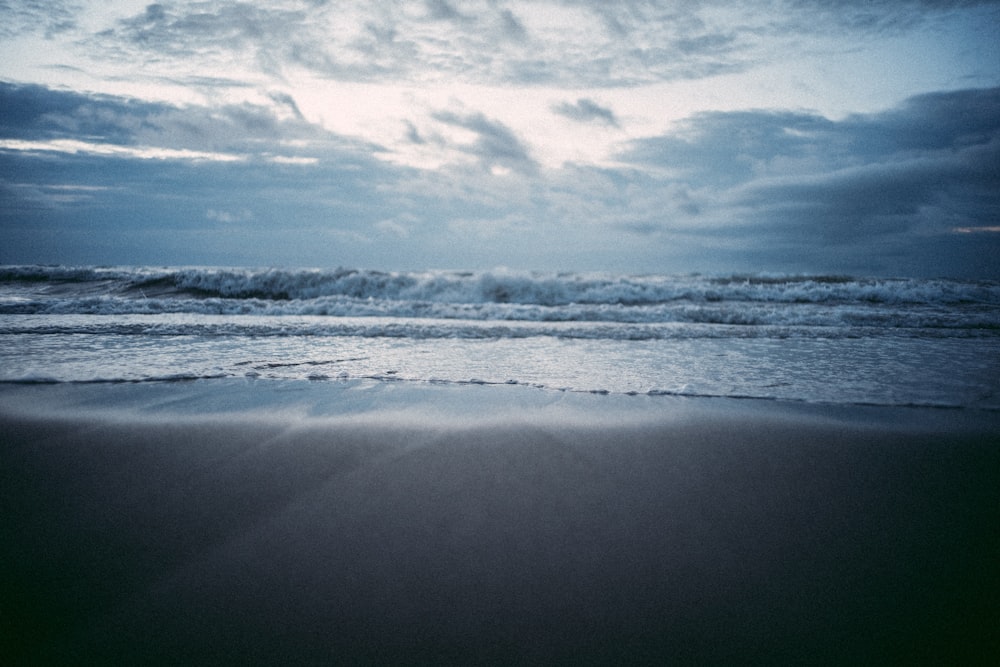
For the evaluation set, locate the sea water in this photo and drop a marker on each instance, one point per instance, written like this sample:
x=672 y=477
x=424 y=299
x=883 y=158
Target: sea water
x=828 y=339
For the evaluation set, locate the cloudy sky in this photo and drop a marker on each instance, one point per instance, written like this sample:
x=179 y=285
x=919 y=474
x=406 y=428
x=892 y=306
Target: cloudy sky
x=641 y=136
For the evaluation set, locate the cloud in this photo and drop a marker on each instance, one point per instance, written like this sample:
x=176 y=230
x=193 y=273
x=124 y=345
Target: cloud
x=67 y=121
x=35 y=112
x=988 y=229
x=19 y=198
x=493 y=144
x=90 y=175
x=229 y=217
x=913 y=189
x=610 y=44
x=48 y=17
x=442 y=10
x=236 y=37
x=184 y=29
x=889 y=181
x=73 y=146
x=930 y=194
x=413 y=134
x=727 y=148
x=289 y=102
x=511 y=27
x=394 y=228
x=101 y=207
x=586 y=110
x=877 y=17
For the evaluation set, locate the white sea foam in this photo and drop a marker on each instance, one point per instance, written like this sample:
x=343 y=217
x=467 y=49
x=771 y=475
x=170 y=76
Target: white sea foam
x=546 y=289
x=814 y=338
x=819 y=301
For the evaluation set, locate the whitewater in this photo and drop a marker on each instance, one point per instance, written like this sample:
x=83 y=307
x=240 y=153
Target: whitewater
x=824 y=339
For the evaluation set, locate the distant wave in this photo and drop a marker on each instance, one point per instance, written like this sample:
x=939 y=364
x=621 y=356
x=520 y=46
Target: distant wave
x=763 y=300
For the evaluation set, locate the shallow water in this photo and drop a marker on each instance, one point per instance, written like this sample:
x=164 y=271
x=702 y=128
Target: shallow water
x=816 y=339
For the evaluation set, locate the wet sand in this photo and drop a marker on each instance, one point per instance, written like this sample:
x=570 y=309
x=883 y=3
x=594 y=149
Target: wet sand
x=323 y=523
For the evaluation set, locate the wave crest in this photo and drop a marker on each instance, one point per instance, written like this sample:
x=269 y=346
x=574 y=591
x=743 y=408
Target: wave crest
x=504 y=295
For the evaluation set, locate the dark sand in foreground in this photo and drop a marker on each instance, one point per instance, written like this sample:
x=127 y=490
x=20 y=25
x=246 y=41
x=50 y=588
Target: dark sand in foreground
x=297 y=523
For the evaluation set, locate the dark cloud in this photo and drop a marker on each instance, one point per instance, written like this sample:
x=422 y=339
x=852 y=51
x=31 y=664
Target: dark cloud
x=442 y=10
x=166 y=29
x=710 y=43
x=876 y=17
x=901 y=180
x=511 y=27
x=495 y=144
x=349 y=207
x=412 y=134
x=37 y=113
x=861 y=204
x=48 y=17
x=933 y=121
x=216 y=35
x=289 y=102
x=365 y=42
x=724 y=149
x=586 y=110
x=727 y=148
x=95 y=209
x=78 y=205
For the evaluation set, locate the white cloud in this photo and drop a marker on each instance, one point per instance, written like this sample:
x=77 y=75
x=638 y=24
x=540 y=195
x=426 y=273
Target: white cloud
x=227 y=217
x=394 y=228
x=291 y=159
x=983 y=229
x=75 y=146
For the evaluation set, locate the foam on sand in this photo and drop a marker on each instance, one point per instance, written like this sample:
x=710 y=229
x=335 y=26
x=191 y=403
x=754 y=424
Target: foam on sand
x=289 y=523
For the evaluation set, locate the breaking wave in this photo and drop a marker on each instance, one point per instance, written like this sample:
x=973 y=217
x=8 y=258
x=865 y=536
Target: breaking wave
x=828 y=301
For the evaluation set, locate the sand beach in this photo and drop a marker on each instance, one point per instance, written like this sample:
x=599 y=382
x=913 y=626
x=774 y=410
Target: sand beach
x=240 y=522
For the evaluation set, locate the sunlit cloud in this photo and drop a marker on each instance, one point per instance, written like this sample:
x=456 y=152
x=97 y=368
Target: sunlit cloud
x=73 y=146
x=291 y=159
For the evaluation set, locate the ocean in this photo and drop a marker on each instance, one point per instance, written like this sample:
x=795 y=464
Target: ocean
x=809 y=338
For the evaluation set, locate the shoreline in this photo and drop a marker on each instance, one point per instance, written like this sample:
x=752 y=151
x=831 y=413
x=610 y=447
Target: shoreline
x=266 y=522
x=338 y=397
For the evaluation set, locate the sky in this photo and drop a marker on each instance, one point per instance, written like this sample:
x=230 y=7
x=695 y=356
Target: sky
x=643 y=136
